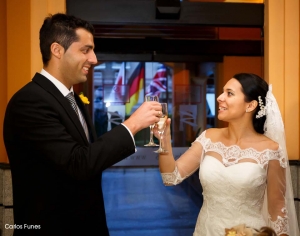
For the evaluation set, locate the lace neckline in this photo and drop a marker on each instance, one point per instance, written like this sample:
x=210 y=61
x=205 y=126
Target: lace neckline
x=233 y=154
x=237 y=146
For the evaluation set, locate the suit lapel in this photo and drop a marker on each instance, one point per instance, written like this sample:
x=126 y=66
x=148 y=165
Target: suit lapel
x=51 y=88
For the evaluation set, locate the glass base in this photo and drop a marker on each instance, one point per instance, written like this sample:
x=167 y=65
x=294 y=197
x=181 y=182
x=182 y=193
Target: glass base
x=161 y=150
x=151 y=144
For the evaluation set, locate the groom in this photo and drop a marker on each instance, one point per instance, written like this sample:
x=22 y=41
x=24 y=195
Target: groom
x=55 y=156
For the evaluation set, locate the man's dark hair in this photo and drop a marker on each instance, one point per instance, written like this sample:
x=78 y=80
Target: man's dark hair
x=60 y=28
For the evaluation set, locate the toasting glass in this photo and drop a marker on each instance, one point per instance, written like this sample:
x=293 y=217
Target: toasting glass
x=151 y=143
x=161 y=125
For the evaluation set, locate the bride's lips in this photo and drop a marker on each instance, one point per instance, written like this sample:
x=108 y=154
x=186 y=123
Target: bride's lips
x=222 y=109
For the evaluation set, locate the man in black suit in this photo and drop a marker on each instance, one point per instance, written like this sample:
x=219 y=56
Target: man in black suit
x=55 y=157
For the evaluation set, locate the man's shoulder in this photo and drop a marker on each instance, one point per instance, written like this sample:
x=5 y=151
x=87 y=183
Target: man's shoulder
x=37 y=83
x=31 y=91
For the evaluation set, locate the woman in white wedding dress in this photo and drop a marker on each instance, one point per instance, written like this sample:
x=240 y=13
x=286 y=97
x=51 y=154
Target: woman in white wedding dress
x=244 y=170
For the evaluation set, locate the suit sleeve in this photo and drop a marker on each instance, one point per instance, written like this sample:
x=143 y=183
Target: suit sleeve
x=37 y=128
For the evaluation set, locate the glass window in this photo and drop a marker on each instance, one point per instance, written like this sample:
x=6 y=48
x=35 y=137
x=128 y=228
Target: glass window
x=120 y=88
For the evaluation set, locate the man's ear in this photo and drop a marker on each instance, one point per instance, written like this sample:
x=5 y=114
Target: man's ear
x=56 y=50
x=252 y=105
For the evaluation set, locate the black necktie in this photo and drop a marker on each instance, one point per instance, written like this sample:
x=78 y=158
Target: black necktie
x=72 y=101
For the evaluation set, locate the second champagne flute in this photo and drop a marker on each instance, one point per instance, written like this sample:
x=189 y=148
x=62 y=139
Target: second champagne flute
x=151 y=143
x=161 y=125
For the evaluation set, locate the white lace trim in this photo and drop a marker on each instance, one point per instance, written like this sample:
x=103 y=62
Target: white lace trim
x=280 y=225
x=233 y=154
x=173 y=178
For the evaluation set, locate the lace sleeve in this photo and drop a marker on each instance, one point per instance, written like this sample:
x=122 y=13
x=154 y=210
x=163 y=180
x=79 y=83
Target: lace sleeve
x=185 y=166
x=280 y=199
x=276 y=189
x=173 y=178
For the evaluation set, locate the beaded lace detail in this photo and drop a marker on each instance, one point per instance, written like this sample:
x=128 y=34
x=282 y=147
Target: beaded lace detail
x=281 y=224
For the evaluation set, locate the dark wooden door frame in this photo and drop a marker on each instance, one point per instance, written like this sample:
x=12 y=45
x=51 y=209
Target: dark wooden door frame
x=144 y=12
x=129 y=29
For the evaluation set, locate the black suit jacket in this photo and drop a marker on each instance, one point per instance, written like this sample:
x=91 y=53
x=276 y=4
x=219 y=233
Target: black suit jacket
x=56 y=172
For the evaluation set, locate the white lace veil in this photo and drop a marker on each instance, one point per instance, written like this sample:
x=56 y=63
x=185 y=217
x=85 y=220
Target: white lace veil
x=274 y=129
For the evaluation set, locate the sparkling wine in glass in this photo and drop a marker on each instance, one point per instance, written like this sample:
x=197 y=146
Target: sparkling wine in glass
x=151 y=142
x=161 y=125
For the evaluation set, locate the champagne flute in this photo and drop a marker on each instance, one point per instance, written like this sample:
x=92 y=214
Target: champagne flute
x=151 y=142
x=161 y=125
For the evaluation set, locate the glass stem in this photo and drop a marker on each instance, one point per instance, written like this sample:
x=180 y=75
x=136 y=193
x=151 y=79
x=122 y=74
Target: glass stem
x=151 y=134
x=160 y=141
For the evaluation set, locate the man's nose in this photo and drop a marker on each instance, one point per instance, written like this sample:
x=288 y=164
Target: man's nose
x=92 y=58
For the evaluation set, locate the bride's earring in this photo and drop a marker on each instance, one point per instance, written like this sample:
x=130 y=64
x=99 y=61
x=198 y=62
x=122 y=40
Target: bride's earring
x=247 y=110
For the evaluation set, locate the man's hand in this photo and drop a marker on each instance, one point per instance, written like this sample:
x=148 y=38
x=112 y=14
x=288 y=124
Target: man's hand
x=147 y=114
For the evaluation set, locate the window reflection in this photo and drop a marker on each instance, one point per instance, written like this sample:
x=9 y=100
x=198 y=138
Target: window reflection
x=120 y=88
x=100 y=112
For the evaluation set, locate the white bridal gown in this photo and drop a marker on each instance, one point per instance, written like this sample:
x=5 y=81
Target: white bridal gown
x=234 y=190
x=232 y=195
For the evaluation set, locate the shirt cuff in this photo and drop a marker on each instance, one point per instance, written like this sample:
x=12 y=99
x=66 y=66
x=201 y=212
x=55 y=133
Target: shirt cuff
x=130 y=135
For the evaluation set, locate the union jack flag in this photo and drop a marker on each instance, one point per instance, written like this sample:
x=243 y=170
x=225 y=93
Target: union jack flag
x=159 y=82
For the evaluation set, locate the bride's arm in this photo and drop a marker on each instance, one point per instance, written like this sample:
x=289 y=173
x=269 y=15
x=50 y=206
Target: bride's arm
x=174 y=172
x=276 y=188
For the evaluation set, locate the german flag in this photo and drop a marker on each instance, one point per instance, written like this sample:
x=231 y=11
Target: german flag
x=136 y=83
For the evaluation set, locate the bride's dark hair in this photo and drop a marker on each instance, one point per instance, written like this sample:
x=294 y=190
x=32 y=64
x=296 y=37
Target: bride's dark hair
x=253 y=86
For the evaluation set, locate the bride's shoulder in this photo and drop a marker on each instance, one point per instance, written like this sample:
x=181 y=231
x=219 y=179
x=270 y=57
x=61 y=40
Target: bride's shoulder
x=214 y=133
x=268 y=143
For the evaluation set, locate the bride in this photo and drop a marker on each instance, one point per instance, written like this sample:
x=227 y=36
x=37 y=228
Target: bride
x=244 y=170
